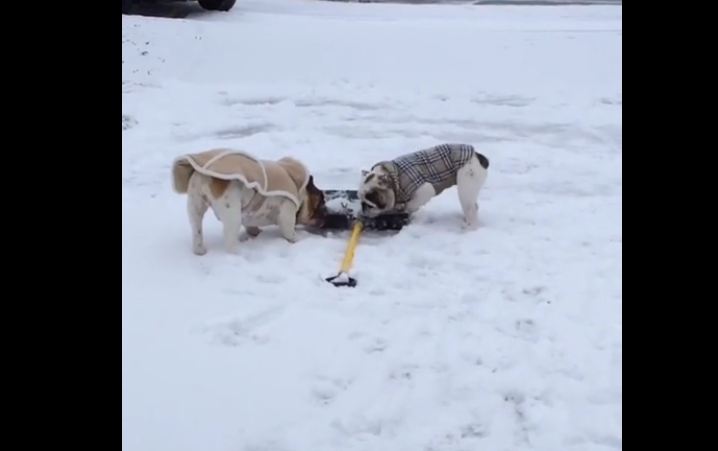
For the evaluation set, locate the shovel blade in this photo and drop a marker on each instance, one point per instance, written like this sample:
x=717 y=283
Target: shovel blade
x=342 y=280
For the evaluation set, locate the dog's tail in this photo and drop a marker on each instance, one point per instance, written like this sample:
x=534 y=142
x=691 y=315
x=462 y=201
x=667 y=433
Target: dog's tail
x=182 y=170
x=482 y=160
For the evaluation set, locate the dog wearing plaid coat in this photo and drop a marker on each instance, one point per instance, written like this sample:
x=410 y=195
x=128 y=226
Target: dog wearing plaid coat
x=408 y=182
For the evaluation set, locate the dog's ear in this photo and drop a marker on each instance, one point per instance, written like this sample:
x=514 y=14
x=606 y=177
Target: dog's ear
x=364 y=172
x=311 y=187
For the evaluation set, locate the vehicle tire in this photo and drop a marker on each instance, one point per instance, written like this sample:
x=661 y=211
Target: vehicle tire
x=127 y=6
x=217 y=5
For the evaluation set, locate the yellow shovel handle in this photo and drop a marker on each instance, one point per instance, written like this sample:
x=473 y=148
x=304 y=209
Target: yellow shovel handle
x=351 y=246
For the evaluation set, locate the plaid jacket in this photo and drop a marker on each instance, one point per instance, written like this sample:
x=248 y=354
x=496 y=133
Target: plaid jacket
x=437 y=165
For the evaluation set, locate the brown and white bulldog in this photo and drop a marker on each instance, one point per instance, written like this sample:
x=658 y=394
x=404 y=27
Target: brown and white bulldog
x=245 y=191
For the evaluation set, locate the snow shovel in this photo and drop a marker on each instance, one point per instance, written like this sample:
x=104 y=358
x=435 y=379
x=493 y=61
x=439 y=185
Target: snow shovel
x=344 y=209
x=342 y=279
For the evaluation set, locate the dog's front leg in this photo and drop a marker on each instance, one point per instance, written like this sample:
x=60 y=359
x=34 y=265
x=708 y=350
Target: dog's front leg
x=287 y=220
x=422 y=195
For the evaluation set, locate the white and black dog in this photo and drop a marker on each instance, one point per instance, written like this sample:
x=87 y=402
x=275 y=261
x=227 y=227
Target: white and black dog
x=408 y=182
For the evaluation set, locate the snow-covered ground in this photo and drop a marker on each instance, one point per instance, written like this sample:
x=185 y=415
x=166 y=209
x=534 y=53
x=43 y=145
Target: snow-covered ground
x=507 y=338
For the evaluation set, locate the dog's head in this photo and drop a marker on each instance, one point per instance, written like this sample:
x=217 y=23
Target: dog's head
x=313 y=210
x=376 y=192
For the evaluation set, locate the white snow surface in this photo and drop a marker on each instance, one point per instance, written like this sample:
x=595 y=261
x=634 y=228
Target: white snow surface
x=505 y=338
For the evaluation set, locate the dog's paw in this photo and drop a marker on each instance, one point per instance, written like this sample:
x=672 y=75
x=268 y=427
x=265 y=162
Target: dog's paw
x=291 y=238
x=199 y=250
x=232 y=246
x=469 y=226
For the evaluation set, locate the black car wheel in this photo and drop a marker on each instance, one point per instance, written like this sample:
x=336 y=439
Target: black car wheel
x=217 y=5
x=126 y=6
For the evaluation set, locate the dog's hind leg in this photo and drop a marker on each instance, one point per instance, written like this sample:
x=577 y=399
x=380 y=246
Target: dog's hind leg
x=229 y=210
x=469 y=180
x=196 y=208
